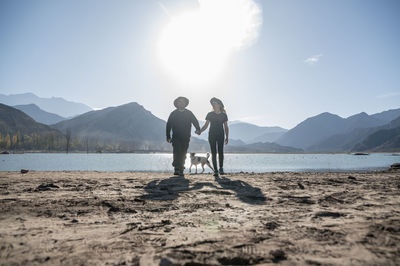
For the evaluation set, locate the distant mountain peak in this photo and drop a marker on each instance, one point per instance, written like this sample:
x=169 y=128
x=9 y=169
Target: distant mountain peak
x=327 y=114
x=131 y=104
x=127 y=122
x=13 y=120
x=362 y=114
x=38 y=114
x=359 y=115
x=388 y=115
x=330 y=132
x=55 y=105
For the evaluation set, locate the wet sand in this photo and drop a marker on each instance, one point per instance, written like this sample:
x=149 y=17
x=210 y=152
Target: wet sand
x=95 y=218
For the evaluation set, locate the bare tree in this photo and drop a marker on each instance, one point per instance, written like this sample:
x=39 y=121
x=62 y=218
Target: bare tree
x=68 y=137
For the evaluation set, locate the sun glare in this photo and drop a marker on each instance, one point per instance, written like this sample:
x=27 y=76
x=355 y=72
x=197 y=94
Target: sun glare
x=194 y=46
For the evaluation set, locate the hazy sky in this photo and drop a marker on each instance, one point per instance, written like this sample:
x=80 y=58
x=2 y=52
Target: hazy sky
x=304 y=57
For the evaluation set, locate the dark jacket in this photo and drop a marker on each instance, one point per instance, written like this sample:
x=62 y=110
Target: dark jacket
x=181 y=123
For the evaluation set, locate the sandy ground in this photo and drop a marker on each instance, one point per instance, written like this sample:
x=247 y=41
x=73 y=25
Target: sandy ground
x=93 y=218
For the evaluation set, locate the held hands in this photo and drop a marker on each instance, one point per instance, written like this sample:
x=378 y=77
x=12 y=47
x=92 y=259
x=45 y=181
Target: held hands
x=198 y=132
x=169 y=140
x=226 y=141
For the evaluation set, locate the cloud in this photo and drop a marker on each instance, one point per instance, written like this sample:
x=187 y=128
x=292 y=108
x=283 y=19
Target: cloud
x=313 y=59
x=388 y=95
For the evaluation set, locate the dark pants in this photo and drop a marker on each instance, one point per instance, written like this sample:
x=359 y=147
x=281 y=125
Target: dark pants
x=217 y=142
x=179 y=150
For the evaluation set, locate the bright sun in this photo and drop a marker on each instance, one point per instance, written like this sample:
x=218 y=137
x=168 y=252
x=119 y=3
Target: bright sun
x=194 y=46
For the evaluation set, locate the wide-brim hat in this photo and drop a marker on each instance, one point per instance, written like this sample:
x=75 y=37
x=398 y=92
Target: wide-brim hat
x=217 y=101
x=186 y=100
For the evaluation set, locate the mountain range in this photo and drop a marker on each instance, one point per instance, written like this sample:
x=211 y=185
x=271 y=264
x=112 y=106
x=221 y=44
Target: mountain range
x=14 y=121
x=131 y=127
x=347 y=141
x=328 y=132
x=241 y=133
x=132 y=123
x=385 y=138
x=55 y=105
x=128 y=122
x=250 y=133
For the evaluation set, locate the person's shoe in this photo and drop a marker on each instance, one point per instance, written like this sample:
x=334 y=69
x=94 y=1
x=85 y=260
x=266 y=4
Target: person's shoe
x=215 y=173
x=176 y=172
x=221 y=171
x=181 y=173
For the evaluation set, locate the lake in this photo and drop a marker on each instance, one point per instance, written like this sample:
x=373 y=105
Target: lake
x=162 y=162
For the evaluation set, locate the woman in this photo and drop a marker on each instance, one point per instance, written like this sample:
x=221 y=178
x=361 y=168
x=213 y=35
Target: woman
x=219 y=121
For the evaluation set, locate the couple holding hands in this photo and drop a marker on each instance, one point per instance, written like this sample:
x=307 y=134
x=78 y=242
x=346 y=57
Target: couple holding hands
x=180 y=122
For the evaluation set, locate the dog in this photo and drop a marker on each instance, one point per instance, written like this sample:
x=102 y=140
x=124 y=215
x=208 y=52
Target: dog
x=195 y=160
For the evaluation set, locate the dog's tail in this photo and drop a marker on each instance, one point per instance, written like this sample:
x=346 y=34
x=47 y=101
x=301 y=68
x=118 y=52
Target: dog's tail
x=208 y=155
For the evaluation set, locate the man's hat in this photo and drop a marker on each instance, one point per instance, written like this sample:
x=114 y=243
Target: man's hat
x=186 y=100
x=217 y=101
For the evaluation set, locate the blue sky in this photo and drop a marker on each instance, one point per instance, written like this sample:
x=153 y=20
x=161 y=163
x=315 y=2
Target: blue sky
x=311 y=56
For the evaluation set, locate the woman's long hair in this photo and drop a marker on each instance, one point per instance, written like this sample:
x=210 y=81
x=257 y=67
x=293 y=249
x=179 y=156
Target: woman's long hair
x=223 y=109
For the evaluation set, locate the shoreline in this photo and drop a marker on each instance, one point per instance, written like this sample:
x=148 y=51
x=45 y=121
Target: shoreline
x=376 y=170
x=117 y=218
x=391 y=153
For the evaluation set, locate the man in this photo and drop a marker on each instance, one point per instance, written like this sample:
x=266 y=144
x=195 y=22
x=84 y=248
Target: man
x=180 y=121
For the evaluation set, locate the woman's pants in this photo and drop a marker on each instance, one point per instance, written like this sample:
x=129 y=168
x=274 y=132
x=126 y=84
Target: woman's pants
x=217 y=142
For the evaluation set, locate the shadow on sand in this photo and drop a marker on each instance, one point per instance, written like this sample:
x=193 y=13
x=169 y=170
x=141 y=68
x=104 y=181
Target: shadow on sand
x=166 y=189
x=169 y=189
x=244 y=191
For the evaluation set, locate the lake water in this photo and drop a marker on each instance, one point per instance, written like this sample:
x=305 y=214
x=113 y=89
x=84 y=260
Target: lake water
x=162 y=162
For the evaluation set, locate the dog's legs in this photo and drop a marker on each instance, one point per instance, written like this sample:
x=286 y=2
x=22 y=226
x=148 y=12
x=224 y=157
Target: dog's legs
x=196 y=168
x=202 y=166
x=190 y=168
